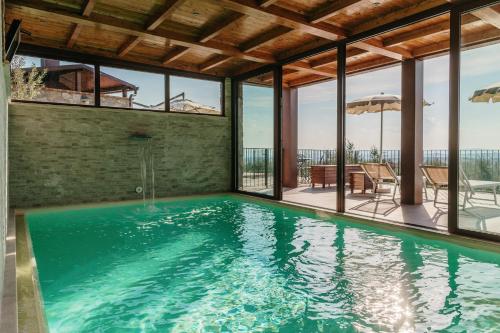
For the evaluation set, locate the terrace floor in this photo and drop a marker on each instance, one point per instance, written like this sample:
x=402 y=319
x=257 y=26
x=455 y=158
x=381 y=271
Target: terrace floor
x=481 y=215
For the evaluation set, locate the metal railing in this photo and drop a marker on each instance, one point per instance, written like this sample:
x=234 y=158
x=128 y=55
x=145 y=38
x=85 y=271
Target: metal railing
x=258 y=168
x=258 y=163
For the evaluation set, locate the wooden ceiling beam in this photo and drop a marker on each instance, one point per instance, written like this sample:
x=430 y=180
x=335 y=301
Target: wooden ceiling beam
x=174 y=54
x=154 y=23
x=77 y=28
x=284 y=17
x=488 y=15
x=267 y=3
x=55 y=12
x=370 y=65
x=299 y=22
x=332 y=58
x=218 y=27
x=323 y=61
x=417 y=33
x=129 y=45
x=350 y=69
x=325 y=12
x=306 y=67
x=213 y=62
x=88 y=6
x=264 y=38
x=377 y=46
x=436 y=28
x=416 y=8
x=468 y=40
x=167 y=10
x=48 y=43
x=311 y=78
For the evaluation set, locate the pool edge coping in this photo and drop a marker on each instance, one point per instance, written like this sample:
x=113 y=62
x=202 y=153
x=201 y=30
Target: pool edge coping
x=30 y=310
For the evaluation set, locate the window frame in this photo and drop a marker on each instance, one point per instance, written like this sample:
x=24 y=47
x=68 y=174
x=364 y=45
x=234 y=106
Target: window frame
x=222 y=90
x=97 y=62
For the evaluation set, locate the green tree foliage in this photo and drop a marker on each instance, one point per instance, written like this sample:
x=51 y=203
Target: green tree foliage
x=352 y=156
x=374 y=154
x=25 y=85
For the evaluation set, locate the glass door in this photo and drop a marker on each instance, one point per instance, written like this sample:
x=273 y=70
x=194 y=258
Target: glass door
x=479 y=117
x=256 y=135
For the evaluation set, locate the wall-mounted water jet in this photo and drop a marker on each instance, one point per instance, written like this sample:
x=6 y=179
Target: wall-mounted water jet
x=146 y=162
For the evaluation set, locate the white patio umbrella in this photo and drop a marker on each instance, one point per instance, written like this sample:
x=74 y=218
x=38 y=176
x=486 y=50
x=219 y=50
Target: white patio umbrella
x=375 y=104
x=487 y=95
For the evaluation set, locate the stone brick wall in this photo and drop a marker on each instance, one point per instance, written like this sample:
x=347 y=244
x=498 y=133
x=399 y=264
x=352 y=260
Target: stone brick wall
x=52 y=95
x=63 y=155
x=4 y=84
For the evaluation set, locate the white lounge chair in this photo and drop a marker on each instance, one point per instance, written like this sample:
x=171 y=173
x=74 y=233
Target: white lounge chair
x=472 y=186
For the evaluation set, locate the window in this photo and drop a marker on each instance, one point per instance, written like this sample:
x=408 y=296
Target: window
x=256 y=134
x=123 y=88
x=56 y=81
x=479 y=140
x=195 y=95
x=52 y=81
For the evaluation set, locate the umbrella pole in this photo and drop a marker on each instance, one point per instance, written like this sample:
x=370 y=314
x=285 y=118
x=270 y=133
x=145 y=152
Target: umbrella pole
x=381 y=130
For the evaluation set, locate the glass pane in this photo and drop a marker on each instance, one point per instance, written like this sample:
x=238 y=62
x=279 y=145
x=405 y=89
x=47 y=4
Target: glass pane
x=51 y=81
x=316 y=146
x=195 y=95
x=123 y=88
x=479 y=165
x=435 y=138
x=256 y=134
x=373 y=143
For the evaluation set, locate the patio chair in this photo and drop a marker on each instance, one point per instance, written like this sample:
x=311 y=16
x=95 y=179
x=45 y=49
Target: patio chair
x=437 y=176
x=473 y=186
x=381 y=173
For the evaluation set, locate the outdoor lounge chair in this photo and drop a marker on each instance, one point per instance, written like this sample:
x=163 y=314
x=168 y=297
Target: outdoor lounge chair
x=381 y=173
x=473 y=186
x=437 y=176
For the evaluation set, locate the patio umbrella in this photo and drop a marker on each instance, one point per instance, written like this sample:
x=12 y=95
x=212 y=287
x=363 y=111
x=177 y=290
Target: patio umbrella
x=485 y=95
x=374 y=104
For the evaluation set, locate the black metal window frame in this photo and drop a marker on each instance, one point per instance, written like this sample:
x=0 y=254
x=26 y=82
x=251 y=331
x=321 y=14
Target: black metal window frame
x=98 y=62
x=454 y=116
x=277 y=71
x=455 y=10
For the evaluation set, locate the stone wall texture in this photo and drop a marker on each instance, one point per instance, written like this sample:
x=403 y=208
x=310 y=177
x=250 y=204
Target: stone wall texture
x=64 y=155
x=51 y=95
x=4 y=89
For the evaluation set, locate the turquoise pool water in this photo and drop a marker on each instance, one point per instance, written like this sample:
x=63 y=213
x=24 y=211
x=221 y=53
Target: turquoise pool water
x=225 y=264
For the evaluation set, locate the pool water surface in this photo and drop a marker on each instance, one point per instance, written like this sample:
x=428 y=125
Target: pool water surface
x=227 y=264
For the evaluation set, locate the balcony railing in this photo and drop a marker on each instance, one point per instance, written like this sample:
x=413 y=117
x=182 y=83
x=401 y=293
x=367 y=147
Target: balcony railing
x=258 y=163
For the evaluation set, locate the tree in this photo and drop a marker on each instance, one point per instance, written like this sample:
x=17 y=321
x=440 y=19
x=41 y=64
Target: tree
x=25 y=84
x=374 y=154
x=352 y=156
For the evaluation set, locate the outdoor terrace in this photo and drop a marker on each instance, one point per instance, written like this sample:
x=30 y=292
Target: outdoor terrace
x=480 y=213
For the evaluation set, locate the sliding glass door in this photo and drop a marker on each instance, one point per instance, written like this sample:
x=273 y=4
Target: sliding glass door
x=479 y=117
x=256 y=135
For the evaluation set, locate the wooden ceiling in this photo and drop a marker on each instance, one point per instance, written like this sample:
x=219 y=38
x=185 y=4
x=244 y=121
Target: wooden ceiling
x=230 y=37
